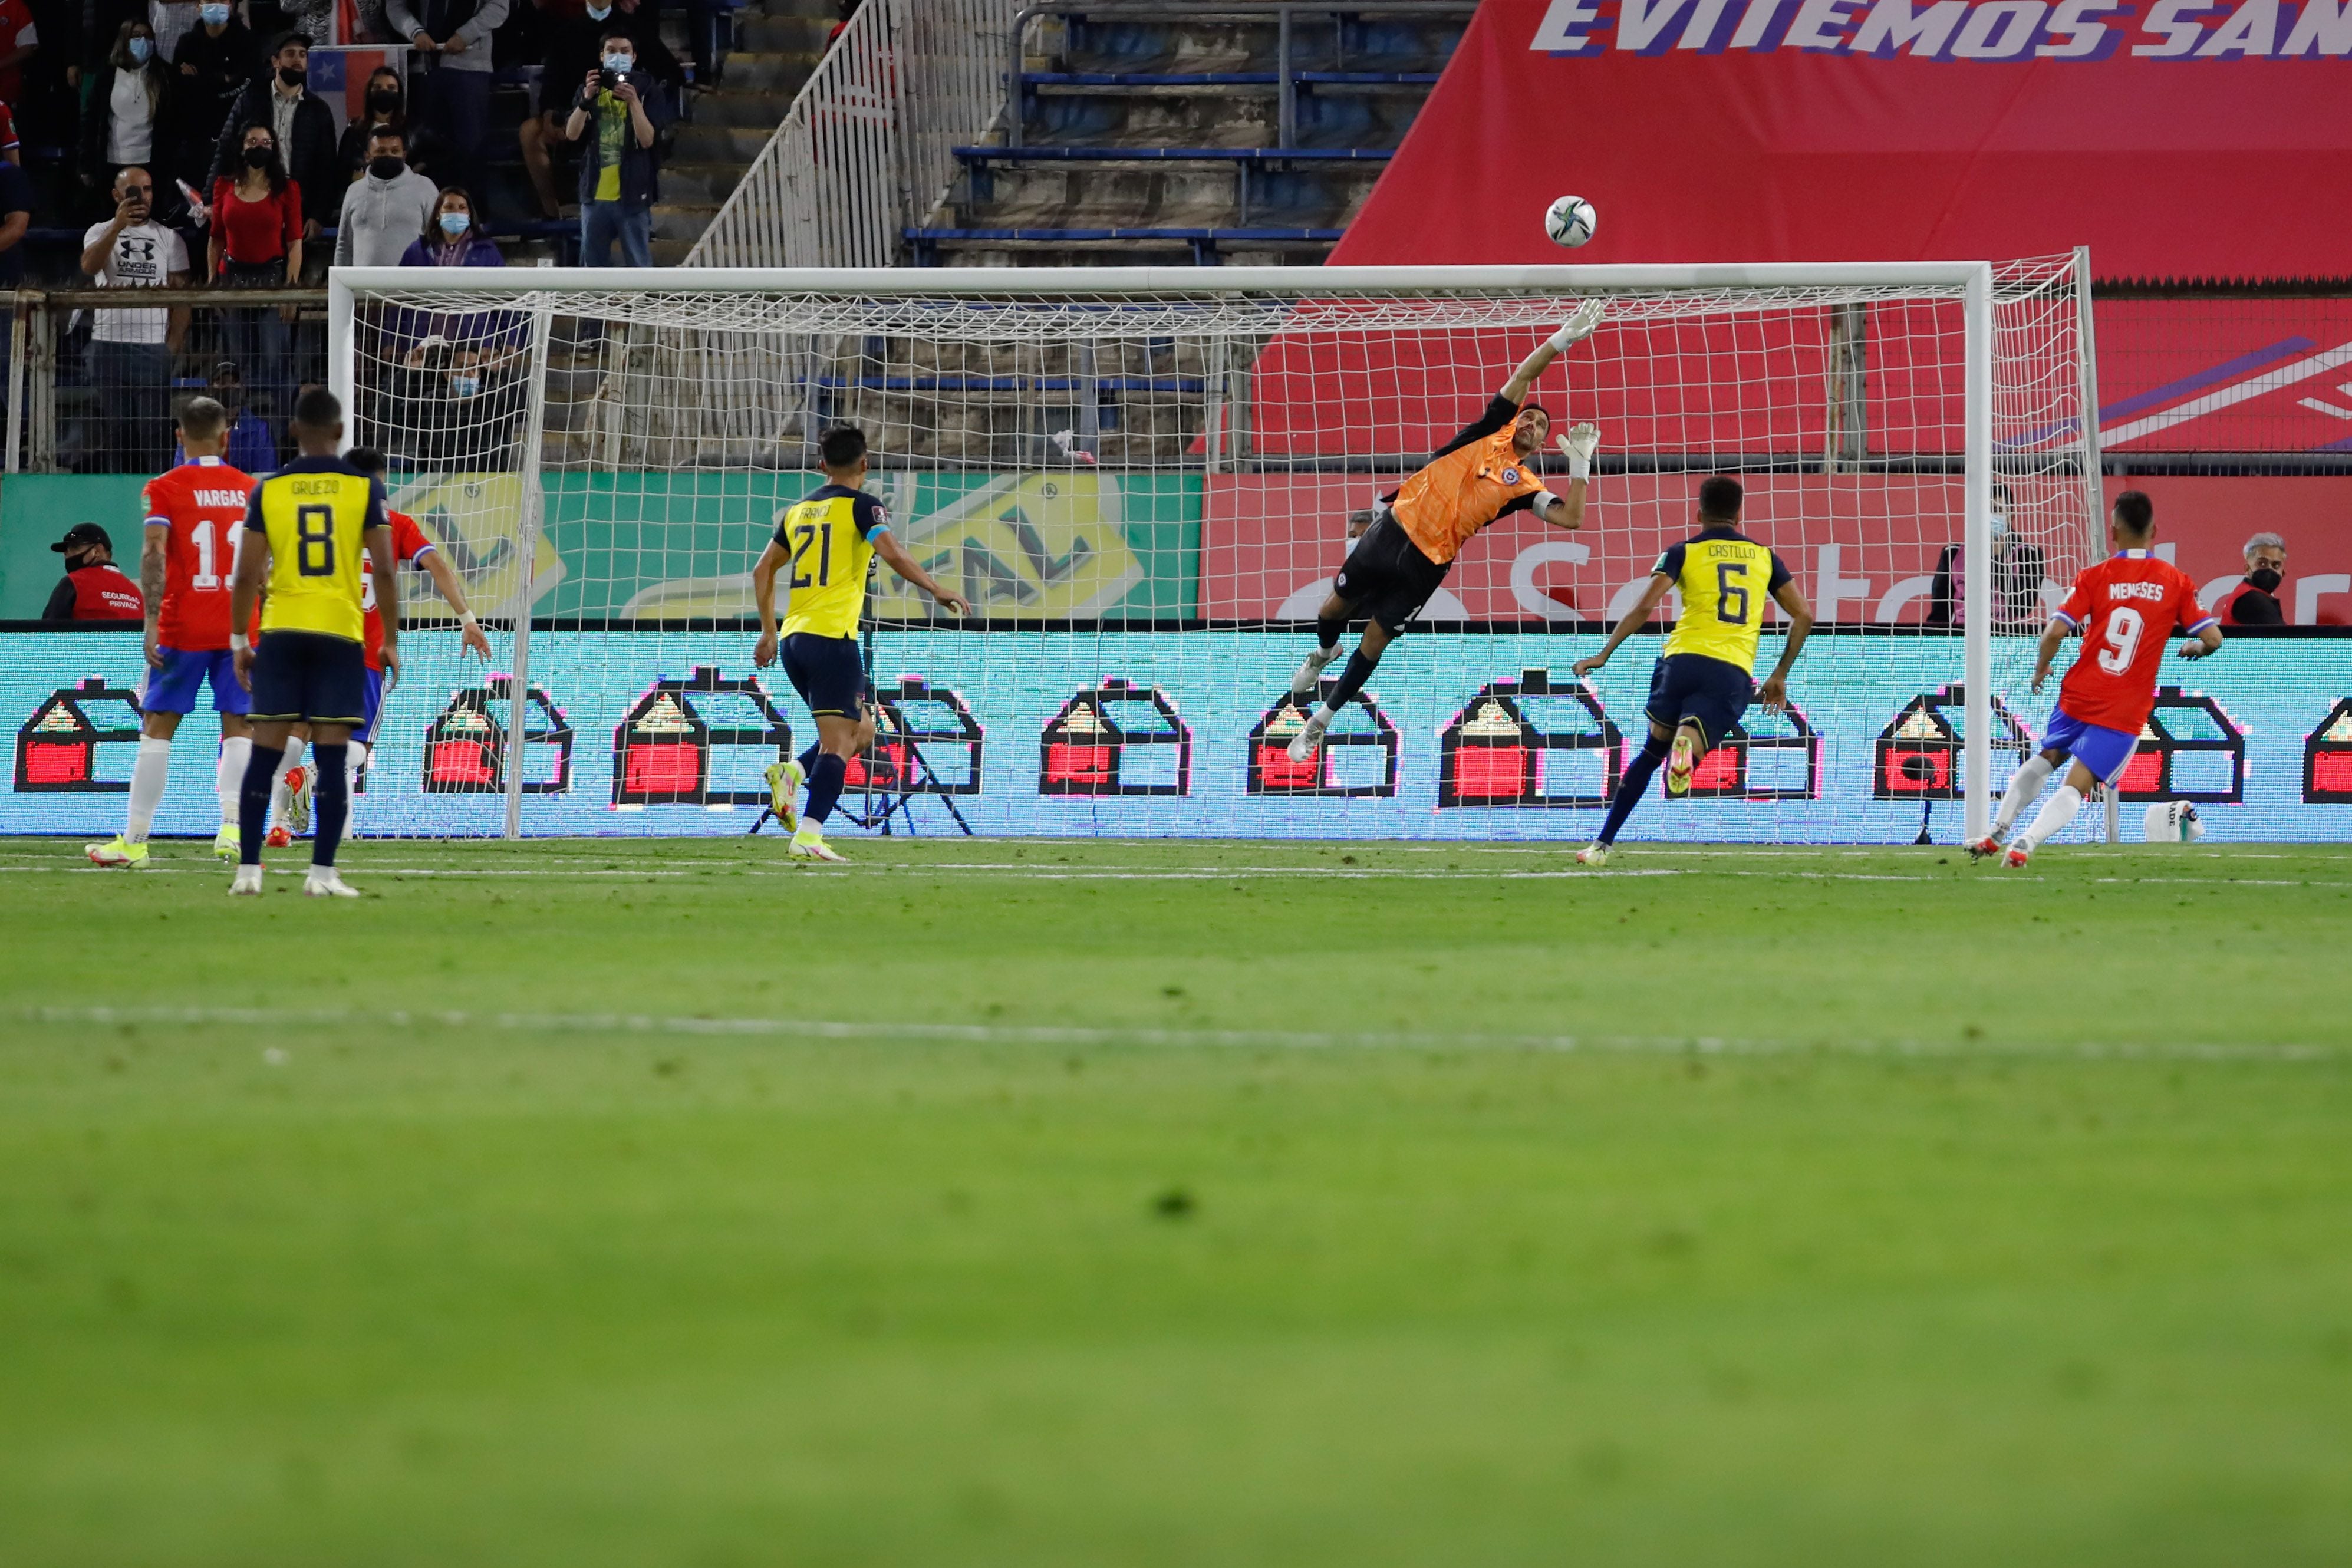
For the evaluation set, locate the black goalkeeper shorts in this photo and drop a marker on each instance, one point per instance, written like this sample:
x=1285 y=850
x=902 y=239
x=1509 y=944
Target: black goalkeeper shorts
x=1386 y=577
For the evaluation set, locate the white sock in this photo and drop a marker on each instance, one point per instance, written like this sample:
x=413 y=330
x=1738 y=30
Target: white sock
x=147 y=776
x=355 y=758
x=281 y=799
x=229 y=782
x=1326 y=715
x=2055 y=817
x=2023 y=788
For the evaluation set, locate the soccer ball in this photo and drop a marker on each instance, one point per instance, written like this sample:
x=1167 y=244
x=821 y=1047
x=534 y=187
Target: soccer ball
x=1570 y=221
x=2174 y=822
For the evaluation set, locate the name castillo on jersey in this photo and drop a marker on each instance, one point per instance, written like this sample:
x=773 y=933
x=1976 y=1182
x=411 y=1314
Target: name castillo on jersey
x=1724 y=579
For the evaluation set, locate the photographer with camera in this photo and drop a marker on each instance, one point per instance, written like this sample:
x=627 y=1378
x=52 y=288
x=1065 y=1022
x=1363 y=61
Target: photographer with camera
x=131 y=350
x=620 y=164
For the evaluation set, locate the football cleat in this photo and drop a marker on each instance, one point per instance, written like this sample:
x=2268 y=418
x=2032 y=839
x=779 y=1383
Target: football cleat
x=2015 y=857
x=1980 y=848
x=1312 y=670
x=1681 y=765
x=1593 y=854
x=248 y=881
x=118 y=851
x=1309 y=742
x=297 y=799
x=227 y=842
x=784 y=780
x=326 y=882
x=810 y=845
x=279 y=838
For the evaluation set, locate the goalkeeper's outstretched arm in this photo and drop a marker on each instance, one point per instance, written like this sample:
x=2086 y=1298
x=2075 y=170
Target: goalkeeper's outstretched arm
x=1578 y=328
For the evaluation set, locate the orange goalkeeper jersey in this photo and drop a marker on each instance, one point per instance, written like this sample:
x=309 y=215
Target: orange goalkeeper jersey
x=1473 y=479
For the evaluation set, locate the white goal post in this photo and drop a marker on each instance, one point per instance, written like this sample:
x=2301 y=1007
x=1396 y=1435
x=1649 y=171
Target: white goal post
x=668 y=413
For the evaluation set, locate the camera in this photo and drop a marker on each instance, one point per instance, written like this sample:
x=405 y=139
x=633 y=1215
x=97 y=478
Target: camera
x=609 y=79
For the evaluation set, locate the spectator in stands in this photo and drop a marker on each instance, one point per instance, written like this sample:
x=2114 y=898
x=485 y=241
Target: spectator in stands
x=572 y=52
x=16 y=219
x=2017 y=570
x=131 y=350
x=249 y=445
x=130 y=107
x=386 y=210
x=848 y=15
x=620 y=164
x=215 y=60
x=301 y=127
x=11 y=149
x=20 y=40
x=454 y=97
x=257 y=243
x=387 y=104
x=2254 y=602
x=93 y=588
x=173 y=20
x=451 y=237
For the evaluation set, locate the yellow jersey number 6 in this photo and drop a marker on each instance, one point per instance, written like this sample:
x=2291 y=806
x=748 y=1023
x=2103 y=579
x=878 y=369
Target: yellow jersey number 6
x=314 y=541
x=820 y=535
x=1730 y=597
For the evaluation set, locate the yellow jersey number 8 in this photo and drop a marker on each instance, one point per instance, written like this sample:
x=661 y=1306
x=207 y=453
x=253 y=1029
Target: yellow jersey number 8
x=820 y=536
x=314 y=541
x=1731 y=598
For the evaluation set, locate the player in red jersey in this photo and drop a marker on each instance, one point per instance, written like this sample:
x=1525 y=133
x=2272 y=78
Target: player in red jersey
x=2125 y=607
x=290 y=798
x=196 y=526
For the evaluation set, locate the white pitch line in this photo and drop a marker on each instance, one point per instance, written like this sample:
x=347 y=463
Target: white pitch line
x=574 y=1023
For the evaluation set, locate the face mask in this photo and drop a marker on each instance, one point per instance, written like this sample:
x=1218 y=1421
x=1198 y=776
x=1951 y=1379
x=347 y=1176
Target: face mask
x=385 y=102
x=290 y=75
x=256 y=157
x=464 y=385
x=385 y=168
x=454 y=224
x=596 y=16
x=619 y=64
x=2265 y=579
x=213 y=15
x=139 y=49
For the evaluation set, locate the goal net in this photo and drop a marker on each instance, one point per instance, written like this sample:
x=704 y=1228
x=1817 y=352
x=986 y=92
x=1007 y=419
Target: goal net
x=1145 y=479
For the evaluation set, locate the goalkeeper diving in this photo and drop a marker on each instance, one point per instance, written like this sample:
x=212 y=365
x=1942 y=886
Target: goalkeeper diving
x=1485 y=472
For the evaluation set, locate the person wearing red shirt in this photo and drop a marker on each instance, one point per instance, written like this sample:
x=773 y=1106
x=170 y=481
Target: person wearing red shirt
x=2125 y=607
x=411 y=547
x=93 y=588
x=257 y=243
x=196 y=528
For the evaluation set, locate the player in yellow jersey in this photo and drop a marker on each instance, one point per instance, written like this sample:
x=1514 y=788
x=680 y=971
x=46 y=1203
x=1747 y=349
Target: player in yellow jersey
x=306 y=526
x=1706 y=677
x=829 y=540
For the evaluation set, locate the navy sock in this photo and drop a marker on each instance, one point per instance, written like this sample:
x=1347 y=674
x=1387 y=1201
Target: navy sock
x=1328 y=629
x=808 y=759
x=825 y=787
x=1638 y=774
x=1351 y=679
x=331 y=802
x=253 y=801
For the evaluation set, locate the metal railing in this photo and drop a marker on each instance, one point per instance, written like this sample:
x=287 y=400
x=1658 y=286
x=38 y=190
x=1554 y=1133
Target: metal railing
x=864 y=149
x=1283 y=12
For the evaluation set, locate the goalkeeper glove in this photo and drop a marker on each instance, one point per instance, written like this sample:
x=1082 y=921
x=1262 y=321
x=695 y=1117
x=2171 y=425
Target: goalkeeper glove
x=1579 y=326
x=1578 y=447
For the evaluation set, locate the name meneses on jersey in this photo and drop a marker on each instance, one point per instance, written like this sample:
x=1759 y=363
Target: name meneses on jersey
x=2153 y=592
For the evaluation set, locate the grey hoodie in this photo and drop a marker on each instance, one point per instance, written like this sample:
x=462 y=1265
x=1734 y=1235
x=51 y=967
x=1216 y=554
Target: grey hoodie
x=382 y=216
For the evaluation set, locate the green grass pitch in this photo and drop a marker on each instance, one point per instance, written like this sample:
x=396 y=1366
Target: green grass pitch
x=1046 y=1204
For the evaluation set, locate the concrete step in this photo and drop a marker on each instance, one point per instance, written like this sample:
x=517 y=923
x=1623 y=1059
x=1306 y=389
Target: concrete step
x=682 y=221
x=1240 y=118
x=702 y=142
x=742 y=110
x=771 y=30
x=701 y=183
x=769 y=70
x=1165 y=196
x=1236 y=45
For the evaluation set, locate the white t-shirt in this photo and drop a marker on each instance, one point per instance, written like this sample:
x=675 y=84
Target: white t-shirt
x=131 y=124
x=144 y=256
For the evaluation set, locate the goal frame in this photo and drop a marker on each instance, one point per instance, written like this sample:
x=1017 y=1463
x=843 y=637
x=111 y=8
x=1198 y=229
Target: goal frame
x=1973 y=278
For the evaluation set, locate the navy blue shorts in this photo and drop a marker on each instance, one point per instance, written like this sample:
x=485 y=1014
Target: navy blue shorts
x=173 y=688
x=1692 y=688
x=371 y=710
x=2103 y=751
x=309 y=675
x=1386 y=577
x=828 y=672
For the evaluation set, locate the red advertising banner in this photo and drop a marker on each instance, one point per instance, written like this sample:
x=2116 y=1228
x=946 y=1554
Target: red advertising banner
x=2175 y=138
x=1863 y=546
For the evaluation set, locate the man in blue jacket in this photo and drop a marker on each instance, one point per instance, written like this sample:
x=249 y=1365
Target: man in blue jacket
x=620 y=164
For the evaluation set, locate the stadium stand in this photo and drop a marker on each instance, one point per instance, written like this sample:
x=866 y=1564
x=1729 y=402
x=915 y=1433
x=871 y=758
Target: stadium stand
x=777 y=43
x=1242 y=134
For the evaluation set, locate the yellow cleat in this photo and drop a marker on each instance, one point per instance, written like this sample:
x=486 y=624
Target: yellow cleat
x=1595 y=854
x=1680 y=766
x=785 y=783
x=119 y=852
x=810 y=845
x=226 y=842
